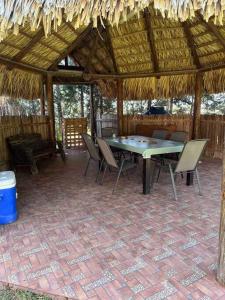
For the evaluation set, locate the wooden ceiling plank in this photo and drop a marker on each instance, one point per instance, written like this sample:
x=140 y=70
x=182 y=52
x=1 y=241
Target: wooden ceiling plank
x=34 y=40
x=150 y=35
x=72 y=46
x=191 y=44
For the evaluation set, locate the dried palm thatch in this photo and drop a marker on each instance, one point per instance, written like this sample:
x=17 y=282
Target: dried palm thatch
x=214 y=81
x=19 y=84
x=14 y=13
x=164 y=87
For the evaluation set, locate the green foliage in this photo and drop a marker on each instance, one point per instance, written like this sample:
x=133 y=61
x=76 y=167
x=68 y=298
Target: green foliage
x=11 y=294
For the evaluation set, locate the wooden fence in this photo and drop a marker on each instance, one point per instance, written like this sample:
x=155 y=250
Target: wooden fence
x=72 y=129
x=211 y=127
x=12 y=125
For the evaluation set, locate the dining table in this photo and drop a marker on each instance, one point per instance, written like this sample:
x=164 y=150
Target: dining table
x=146 y=147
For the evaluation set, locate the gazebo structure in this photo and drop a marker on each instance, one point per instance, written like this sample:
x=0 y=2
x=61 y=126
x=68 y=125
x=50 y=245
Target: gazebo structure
x=131 y=49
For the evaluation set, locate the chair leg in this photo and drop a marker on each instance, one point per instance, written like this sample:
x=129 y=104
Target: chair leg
x=159 y=171
x=103 y=176
x=173 y=182
x=99 y=170
x=85 y=173
x=198 y=181
x=117 y=179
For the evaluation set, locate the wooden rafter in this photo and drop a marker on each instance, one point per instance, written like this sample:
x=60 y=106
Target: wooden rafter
x=150 y=34
x=213 y=29
x=109 y=46
x=72 y=46
x=191 y=44
x=26 y=67
x=34 y=40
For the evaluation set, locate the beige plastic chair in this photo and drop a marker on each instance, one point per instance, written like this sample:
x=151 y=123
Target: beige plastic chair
x=110 y=161
x=188 y=162
x=92 y=150
x=160 y=134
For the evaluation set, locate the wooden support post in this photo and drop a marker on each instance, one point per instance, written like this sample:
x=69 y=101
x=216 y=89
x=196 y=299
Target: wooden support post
x=92 y=112
x=221 y=259
x=50 y=99
x=120 y=106
x=197 y=107
x=42 y=99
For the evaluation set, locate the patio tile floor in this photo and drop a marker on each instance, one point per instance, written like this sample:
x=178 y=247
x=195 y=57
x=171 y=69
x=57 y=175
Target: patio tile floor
x=75 y=239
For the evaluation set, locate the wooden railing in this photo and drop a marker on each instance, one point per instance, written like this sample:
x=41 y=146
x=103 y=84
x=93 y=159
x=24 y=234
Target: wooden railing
x=12 y=125
x=211 y=127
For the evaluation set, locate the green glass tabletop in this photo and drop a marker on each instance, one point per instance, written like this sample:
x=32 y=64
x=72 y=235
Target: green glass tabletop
x=145 y=146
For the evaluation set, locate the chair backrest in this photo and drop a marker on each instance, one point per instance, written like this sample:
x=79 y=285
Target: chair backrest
x=107 y=153
x=190 y=155
x=90 y=146
x=179 y=136
x=160 y=134
x=108 y=131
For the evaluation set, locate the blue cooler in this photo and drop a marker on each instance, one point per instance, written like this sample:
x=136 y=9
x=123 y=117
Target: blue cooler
x=8 y=211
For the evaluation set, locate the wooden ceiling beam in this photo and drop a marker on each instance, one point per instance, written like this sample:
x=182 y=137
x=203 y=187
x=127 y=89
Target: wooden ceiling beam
x=191 y=44
x=148 y=25
x=72 y=46
x=26 y=67
x=110 y=49
x=34 y=40
x=213 y=29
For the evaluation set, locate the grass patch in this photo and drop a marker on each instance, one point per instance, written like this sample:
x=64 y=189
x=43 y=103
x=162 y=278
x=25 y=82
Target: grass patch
x=11 y=294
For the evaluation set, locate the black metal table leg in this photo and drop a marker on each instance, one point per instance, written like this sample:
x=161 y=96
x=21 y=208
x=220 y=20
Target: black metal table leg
x=189 y=180
x=146 y=176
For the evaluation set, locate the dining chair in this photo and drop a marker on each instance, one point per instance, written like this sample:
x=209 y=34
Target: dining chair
x=188 y=162
x=160 y=134
x=176 y=136
x=110 y=161
x=92 y=150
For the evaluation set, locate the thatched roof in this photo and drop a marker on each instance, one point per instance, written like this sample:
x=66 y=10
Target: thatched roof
x=156 y=55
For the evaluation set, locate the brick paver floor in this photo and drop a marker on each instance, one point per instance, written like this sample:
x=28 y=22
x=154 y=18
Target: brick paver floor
x=75 y=239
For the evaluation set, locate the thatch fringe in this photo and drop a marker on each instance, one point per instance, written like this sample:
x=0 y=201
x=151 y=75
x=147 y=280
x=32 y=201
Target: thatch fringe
x=14 y=13
x=19 y=84
x=214 y=81
x=165 y=87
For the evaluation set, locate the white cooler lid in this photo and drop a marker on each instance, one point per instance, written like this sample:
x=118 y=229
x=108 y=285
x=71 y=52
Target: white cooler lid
x=7 y=179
